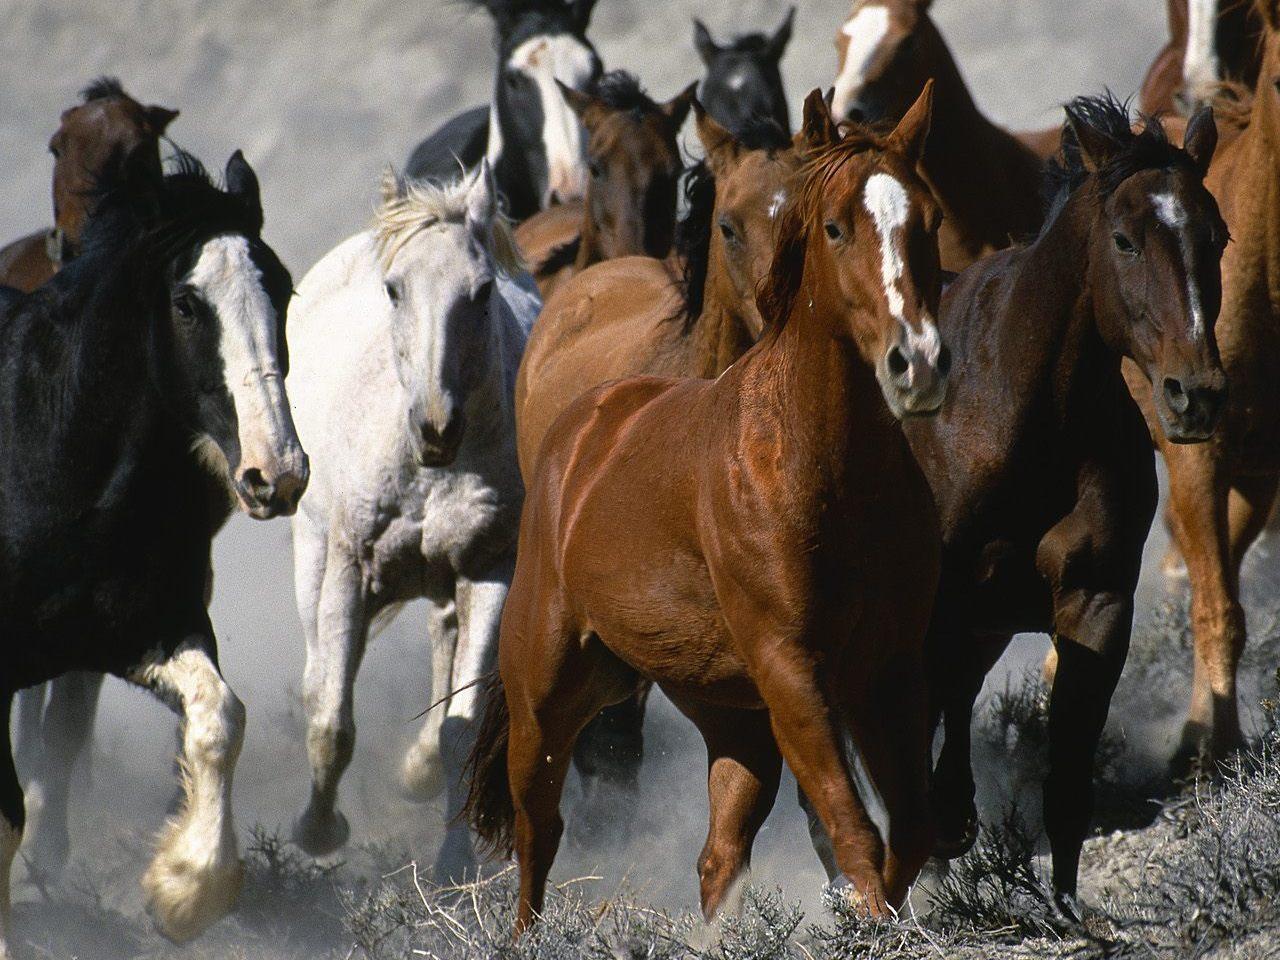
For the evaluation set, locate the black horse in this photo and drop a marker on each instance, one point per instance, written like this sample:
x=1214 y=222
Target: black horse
x=164 y=338
x=743 y=83
x=532 y=138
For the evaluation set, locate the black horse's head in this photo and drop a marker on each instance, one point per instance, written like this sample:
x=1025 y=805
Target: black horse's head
x=536 y=144
x=743 y=83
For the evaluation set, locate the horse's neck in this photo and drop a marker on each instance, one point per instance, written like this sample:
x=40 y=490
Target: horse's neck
x=720 y=334
x=589 y=251
x=1254 y=185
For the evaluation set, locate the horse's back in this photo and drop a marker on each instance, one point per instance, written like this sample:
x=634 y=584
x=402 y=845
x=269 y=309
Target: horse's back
x=459 y=144
x=615 y=319
x=25 y=263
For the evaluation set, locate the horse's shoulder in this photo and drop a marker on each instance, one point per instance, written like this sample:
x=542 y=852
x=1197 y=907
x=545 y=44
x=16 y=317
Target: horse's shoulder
x=460 y=142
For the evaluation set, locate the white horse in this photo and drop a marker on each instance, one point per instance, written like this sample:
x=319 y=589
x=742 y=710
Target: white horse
x=405 y=341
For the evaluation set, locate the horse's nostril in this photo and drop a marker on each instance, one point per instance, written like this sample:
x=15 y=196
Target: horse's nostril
x=944 y=361
x=1175 y=395
x=897 y=362
x=256 y=483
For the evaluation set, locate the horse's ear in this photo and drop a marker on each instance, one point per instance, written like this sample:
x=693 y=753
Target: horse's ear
x=818 y=128
x=923 y=5
x=242 y=183
x=702 y=39
x=913 y=129
x=1096 y=148
x=482 y=198
x=392 y=186
x=160 y=118
x=777 y=45
x=722 y=148
x=583 y=104
x=1201 y=138
x=582 y=13
x=677 y=108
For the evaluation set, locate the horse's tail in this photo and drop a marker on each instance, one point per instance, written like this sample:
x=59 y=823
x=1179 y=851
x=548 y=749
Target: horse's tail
x=489 y=807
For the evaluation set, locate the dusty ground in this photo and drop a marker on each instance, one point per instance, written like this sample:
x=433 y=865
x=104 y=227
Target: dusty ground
x=321 y=95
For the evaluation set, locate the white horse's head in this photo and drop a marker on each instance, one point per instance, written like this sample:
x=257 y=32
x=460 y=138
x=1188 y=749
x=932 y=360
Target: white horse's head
x=440 y=250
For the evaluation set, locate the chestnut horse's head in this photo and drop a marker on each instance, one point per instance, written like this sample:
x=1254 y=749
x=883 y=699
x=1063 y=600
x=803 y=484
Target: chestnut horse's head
x=888 y=49
x=94 y=141
x=859 y=244
x=634 y=164
x=1154 y=253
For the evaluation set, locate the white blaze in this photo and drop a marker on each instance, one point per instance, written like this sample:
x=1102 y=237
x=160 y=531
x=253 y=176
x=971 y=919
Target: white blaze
x=1200 y=62
x=888 y=203
x=776 y=204
x=866 y=30
x=1171 y=213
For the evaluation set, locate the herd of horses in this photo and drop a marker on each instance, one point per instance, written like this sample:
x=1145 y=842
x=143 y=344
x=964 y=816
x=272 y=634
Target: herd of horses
x=802 y=433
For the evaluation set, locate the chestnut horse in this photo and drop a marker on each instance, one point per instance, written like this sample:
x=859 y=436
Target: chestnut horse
x=1040 y=462
x=1205 y=45
x=93 y=140
x=1221 y=492
x=987 y=179
x=762 y=545
x=633 y=162
x=635 y=316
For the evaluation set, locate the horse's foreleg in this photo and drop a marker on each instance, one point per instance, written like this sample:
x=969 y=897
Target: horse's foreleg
x=196 y=873
x=66 y=729
x=422 y=774
x=480 y=604
x=11 y=820
x=333 y=658
x=28 y=747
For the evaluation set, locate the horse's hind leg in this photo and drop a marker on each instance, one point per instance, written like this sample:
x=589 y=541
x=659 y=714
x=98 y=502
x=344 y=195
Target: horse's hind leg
x=11 y=820
x=607 y=756
x=422 y=774
x=479 y=613
x=743 y=768
x=27 y=737
x=66 y=729
x=334 y=652
x=196 y=873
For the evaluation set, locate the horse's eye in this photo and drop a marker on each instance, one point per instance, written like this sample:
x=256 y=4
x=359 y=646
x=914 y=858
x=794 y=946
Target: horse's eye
x=512 y=78
x=594 y=169
x=393 y=292
x=184 y=306
x=54 y=151
x=833 y=230
x=1124 y=244
x=727 y=231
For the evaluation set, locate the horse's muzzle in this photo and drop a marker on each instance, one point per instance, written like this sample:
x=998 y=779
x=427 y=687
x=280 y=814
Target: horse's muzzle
x=273 y=493
x=1190 y=409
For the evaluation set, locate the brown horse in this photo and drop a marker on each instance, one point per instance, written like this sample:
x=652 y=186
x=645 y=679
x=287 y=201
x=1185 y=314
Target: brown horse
x=1040 y=461
x=630 y=205
x=94 y=137
x=762 y=546
x=987 y=179
x=1221 y=492
x=1224 y=47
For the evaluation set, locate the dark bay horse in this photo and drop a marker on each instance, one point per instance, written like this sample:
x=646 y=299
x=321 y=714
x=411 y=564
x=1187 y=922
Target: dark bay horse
x=633 y=162
x=531 y=137
x=743 y=82
x=1206 y=45
x=166 y=335
x=987 y=179
x=93 y=138
x=1220 y=493
x=1040 y=461
x=762 y=545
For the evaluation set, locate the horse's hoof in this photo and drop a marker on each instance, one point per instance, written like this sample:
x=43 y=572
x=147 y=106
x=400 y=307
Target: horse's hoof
x=421 y=776
x=48 y=850
x=1200 y=753
x=321 y=836
x=870 y=903
x=186 y=894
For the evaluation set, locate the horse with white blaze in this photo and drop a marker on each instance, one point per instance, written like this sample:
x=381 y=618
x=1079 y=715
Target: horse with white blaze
x=406 y=340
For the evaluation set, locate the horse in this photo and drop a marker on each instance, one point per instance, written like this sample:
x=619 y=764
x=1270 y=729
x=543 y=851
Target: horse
x=779 y=550
x=165 y=335
x=1220 y=493
x=408 y=315
x=743 y=82
x=93 y=138
x=529 y=134
x=630 y=206
x=1206 y=45
x=1040 y=461
x=987 y=179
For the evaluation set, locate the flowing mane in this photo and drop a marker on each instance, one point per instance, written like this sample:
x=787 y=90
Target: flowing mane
x=102 y=88
x=410 y=206
x=693 y=232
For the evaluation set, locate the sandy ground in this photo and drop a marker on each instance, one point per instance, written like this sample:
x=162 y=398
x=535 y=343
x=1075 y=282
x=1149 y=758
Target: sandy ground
x=321 y=95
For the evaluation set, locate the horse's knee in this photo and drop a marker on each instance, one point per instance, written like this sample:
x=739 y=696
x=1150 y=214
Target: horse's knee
x=331 y=738
x=214 y=738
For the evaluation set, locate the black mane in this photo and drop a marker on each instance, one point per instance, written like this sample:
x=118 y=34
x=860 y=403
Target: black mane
x=1147 y=148
x=102 y=88
x=620 y=90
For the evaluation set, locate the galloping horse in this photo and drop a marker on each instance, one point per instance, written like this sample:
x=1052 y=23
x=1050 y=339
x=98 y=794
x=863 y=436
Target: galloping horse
x=630 y=206
x=532 y=139
x=987 y=180
x=93 y=139
x=761 y=545
x=743 y=83
x=412 y=317
x=1221 y=492
x=165 y=334
x=1205 y=45
x=1040 y=461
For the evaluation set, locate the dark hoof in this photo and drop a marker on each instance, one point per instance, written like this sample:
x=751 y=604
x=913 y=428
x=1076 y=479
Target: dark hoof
x=1198 y=755
x=951 y=845
x=320 y=836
